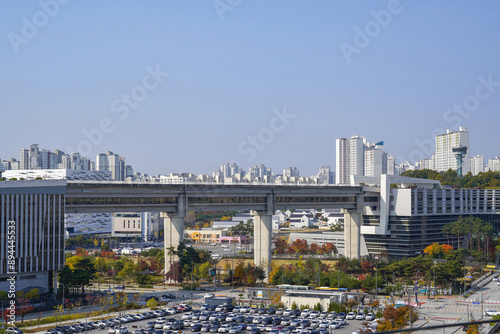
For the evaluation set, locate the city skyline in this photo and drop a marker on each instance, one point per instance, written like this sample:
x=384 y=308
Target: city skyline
x=191 y=86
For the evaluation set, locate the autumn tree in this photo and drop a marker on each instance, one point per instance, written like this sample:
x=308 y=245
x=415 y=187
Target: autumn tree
x=396 y=318
x=437 y=250
x=280 y=245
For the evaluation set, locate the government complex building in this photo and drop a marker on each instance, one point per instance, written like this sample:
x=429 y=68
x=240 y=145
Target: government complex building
x=406 y=219
x=32 y=232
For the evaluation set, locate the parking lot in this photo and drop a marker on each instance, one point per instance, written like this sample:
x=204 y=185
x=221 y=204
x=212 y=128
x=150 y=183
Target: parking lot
x=224 y=319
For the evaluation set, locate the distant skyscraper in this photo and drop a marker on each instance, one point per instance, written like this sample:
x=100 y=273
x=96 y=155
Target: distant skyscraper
x=325 y=175
x=44 y=159
x=494 y=164
x=476 y=164
x=66 y=161
x=391 y=166
x=291 y=172
x=24 y=159
x=375 y=161
x=34 y=156
x=260 y=171
x=427 y=164
x=350 y=155
x=113 y=163
x=445 y=158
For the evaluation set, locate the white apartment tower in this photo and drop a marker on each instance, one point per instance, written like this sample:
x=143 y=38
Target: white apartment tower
x=291 y=172
x=444 y=158
x=375 y=161
x=341 y=174
x=24 y=159
x=391 y=165
x=476 y=164
x=350 y=157
x=112 y=163
x=494 y=164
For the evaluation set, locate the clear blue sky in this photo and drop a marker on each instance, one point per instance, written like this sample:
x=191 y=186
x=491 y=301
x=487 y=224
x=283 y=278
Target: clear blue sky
x=228 y=77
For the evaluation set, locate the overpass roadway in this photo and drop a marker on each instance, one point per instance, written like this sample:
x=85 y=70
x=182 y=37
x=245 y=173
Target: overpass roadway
x=174 y=200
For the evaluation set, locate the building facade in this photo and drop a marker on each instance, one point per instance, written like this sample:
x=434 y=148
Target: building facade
x=444 y=158
x=350 y=155
x=127 y=225
x=32 y=230
x=405 y=220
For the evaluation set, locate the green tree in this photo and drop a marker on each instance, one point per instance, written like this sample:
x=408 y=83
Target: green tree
x=152 y=303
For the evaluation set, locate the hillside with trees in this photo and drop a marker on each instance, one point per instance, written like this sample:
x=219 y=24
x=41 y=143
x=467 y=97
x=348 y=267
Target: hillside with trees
x=450 y=178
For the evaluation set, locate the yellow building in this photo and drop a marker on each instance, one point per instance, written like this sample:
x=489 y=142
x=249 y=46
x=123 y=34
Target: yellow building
x=204 y=235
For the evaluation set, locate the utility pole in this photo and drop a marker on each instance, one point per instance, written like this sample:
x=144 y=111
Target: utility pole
x=416 y=286
x=482 y=305
x=409 y=309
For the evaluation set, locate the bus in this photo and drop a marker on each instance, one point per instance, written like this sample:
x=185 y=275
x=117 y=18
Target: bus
x=293 y=287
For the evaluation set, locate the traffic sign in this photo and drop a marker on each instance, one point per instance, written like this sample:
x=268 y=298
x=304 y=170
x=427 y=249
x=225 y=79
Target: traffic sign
x=476 y=303
x=468 y=276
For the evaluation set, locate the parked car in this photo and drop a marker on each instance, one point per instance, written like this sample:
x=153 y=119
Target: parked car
x=491 y=312
x=13 y=330
x=350 y=316
x=371 y=316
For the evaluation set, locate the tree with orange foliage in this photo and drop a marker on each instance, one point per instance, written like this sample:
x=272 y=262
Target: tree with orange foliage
x=314 y=248
x=436 y=250
x=328 y=248
x=396 y=318
x=299 y=246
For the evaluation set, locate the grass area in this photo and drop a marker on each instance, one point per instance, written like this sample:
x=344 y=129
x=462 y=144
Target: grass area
x=50 y=320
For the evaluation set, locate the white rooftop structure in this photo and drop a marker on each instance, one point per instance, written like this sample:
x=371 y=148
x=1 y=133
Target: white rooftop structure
x=58 y=174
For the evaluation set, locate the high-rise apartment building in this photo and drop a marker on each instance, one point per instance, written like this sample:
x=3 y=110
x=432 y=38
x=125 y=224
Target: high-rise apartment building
x=291 y=172
x=113 y=163
x=445 y=158
x=375 y=163
x=494 y=164
x=350 y=157
x=391 y=165
x=34 y=156
x=476 y=164
x=24 y=159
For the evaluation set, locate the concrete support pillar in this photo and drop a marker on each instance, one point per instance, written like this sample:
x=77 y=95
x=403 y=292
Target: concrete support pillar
x=352 y=233
x=173 y=235
x=263 y=229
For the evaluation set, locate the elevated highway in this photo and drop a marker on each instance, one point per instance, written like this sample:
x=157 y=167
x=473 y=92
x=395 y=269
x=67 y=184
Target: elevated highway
x=174 y=201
